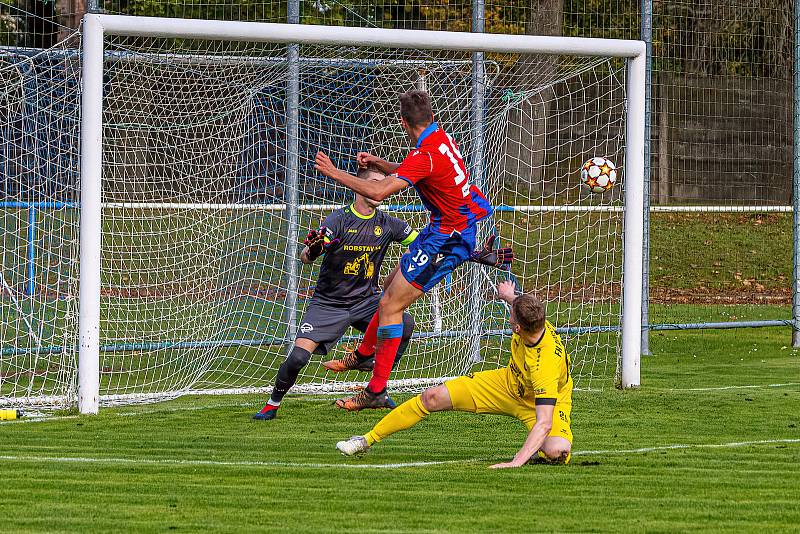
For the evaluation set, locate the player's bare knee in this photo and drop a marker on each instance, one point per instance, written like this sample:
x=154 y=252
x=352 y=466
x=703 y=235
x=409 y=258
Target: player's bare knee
x=428 y=399
x=436 y=399
x=386 y=306
x=557 y=452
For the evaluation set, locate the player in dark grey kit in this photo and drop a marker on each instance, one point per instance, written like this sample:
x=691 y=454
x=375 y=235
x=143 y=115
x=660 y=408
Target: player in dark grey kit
x=354 y=241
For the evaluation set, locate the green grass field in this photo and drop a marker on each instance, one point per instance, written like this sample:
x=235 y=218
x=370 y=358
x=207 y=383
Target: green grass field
x=710 y=442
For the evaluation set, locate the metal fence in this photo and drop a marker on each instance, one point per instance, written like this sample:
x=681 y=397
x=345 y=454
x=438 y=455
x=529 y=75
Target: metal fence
x=720 y=136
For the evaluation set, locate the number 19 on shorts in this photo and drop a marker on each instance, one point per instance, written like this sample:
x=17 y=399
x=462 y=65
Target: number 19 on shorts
x=420 y=258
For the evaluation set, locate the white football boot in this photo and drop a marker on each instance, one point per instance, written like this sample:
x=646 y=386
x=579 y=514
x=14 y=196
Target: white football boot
x=353 y=446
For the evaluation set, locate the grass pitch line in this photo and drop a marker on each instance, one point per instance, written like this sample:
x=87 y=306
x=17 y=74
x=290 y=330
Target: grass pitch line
x=678 y=446
x=219 y=463
x=253 y=404
x=187 y=409
x=306 y=465
x=752 y=386
x=38 y=419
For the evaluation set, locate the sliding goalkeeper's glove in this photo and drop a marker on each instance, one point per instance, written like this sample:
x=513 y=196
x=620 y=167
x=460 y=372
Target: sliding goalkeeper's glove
x=500 y=258
x=315 y=241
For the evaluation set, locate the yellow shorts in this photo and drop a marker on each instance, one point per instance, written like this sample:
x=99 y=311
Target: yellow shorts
x=491 y=392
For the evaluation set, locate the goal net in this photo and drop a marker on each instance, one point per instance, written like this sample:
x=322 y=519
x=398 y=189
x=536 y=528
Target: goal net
x=208 y=187
x=39 y=169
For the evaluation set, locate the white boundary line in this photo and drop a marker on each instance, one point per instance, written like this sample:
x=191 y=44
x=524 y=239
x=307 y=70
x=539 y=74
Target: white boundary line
x=303 y=465
x=37 y=419
x=221 y=463
x=326 y=398
x=678 y=446
x=753 y=386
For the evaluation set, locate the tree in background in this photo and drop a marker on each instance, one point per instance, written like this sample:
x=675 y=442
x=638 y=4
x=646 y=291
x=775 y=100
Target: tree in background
x=527 y=131
x=748 y=37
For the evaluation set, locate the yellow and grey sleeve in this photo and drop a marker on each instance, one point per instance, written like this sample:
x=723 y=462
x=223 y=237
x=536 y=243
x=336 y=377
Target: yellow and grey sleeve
x=410 y=238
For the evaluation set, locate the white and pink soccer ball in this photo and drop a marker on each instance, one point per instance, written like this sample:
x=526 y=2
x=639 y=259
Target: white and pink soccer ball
x=599 y=174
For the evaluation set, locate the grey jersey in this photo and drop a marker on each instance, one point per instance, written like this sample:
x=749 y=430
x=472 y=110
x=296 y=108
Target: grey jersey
x=350 y=269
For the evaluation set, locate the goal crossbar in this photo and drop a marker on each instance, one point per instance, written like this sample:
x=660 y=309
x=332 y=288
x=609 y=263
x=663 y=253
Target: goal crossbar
x=96 y=26
x=345 y=36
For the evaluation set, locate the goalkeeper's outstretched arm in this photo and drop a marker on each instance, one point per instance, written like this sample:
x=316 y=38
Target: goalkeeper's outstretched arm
x=316 y=244
x=307 y=257
x=502 y=258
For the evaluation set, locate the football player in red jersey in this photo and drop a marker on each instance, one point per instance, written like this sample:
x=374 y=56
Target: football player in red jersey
x=437 y=171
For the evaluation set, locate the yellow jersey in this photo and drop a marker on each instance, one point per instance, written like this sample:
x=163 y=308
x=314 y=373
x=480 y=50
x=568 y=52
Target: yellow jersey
x=541 y=372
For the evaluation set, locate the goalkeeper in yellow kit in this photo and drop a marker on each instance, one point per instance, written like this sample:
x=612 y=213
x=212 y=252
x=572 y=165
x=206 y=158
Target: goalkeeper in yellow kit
x=536 y=388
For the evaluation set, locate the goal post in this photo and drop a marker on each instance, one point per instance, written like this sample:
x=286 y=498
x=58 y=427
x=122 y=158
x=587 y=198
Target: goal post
x=97 y=27
x=90 y=217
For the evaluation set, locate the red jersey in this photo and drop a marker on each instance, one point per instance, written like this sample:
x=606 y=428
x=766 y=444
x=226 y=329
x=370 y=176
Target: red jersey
x=437 y=171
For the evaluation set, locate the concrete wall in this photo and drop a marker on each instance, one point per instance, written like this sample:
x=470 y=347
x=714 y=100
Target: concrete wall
x=714 y=139
x=721 y=138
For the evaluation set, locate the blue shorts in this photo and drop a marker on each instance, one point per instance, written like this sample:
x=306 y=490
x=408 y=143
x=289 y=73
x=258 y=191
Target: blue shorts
x=432 y=256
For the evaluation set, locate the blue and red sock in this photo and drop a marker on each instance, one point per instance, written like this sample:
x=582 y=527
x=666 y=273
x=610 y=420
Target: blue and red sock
x=368 y=342
x=389 y=337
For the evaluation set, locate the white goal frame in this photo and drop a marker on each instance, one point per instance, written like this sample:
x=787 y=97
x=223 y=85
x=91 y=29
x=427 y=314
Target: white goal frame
x=97 y=26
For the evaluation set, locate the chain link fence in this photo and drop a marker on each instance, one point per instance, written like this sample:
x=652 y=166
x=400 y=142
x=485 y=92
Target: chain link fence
x=720 y=120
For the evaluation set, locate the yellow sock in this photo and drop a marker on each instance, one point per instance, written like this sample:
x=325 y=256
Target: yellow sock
x=404 y=416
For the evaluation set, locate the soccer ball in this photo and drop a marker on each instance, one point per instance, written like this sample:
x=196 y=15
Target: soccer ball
x=599 y=174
